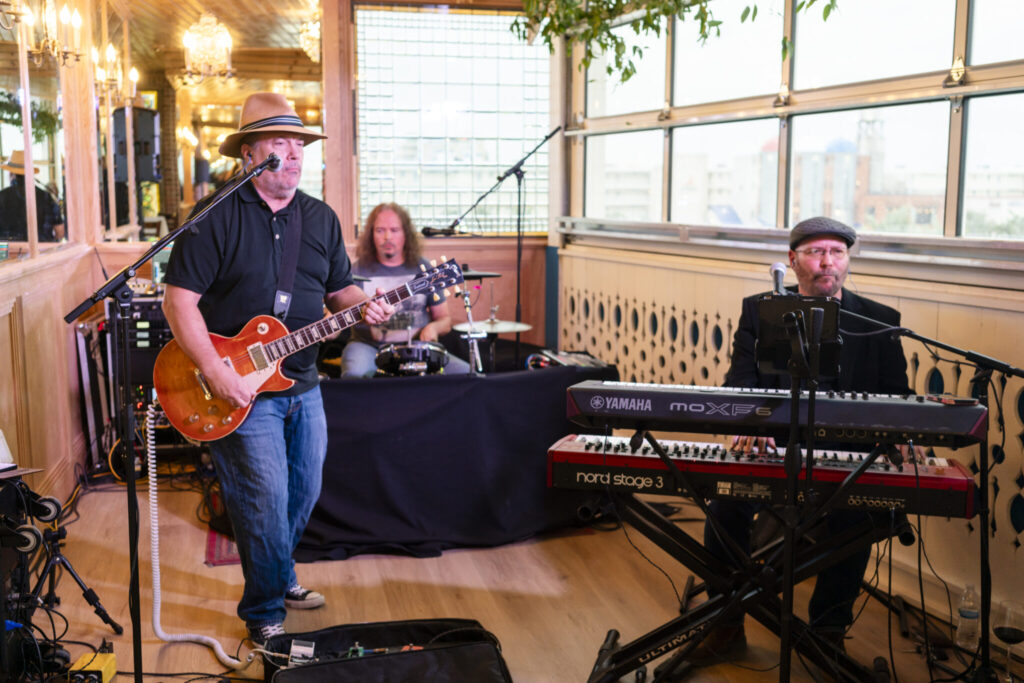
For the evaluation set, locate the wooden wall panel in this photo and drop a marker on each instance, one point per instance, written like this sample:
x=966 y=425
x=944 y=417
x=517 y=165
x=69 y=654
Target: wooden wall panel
x=670 y=319
x=11 y=370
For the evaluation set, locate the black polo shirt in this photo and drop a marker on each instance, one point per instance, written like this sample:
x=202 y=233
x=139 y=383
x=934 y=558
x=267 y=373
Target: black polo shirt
x=234 y=260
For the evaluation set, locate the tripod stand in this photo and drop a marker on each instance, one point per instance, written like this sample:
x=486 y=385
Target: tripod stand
x=56 y=560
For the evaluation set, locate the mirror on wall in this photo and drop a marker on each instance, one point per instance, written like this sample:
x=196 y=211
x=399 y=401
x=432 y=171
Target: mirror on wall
x=43 y=92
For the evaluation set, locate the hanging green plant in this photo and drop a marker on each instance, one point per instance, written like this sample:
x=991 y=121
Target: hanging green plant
x=590 y=24
x=45 y=121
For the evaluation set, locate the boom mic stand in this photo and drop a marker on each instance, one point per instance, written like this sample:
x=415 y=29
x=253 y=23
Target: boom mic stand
x=118 y=290
x=803 y=323
x=986 y=365
x=517 y=170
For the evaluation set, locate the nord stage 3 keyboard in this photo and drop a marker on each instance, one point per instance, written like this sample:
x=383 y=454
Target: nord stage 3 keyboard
x=839 y=415
x=600 y=463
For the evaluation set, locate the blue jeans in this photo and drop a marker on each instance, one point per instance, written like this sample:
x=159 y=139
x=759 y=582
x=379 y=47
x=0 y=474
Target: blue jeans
x=270 y=470
x=359 y=359
x=837 y=586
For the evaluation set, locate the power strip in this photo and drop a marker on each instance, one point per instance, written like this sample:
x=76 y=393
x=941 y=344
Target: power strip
x=93 y=668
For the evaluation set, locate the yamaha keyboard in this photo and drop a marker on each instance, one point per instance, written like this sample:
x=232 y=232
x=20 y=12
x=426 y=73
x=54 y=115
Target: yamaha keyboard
x=609 y=463
x=844 y=416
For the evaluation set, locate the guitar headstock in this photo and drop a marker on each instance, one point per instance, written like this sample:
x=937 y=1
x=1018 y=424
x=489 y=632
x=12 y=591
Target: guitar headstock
x=444 y=274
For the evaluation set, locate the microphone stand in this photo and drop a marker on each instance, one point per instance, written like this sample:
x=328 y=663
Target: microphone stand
x=986 y=365
x=517 y=170
x=117 y=290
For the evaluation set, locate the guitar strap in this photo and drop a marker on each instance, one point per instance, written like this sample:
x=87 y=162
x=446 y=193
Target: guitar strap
x=289 y=261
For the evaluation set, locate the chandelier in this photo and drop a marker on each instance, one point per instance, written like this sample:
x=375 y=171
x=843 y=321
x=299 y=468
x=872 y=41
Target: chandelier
x=108 y=75
x=309 y=39
x=309 y=33
x=59 y=33
x=207 y=50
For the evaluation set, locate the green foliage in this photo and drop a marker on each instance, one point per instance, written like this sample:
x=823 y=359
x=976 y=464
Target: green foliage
x=590 y=23
x=45 y=121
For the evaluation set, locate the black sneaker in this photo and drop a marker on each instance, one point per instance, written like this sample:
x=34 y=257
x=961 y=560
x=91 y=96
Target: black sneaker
x=298 y=597
x=259 y=635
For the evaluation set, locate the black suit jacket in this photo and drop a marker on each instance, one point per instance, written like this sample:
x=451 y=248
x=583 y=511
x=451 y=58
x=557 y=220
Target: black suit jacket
x=873 y=363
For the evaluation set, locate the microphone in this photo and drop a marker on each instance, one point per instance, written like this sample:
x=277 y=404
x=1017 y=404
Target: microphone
x=273 y=162
x=433 y=232
x=778 y=271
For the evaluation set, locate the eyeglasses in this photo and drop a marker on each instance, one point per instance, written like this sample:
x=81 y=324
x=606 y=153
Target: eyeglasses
x=835 y=253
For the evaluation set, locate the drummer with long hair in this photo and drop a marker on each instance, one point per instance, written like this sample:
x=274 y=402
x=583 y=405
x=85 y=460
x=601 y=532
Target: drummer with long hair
x=389 y=253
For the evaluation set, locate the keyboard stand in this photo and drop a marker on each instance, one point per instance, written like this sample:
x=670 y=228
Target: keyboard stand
x=752 y=584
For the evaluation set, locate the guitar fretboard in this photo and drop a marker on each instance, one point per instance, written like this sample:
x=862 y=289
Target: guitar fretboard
x=321 y=329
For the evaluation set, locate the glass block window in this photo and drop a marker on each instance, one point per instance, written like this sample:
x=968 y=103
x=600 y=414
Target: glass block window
x=447 y=101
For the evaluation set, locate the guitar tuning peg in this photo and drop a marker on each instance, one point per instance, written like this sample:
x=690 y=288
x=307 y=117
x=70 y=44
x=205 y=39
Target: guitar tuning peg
x=444 y=259
x=423 y=268
x=433 y=263
x=436 y=297
x=457 y=290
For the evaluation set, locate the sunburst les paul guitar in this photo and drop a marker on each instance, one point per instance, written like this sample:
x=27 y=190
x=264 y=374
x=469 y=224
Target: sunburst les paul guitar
x=256 y=353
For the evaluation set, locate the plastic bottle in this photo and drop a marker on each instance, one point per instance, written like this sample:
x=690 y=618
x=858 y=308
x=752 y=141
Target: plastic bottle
x=967 y=625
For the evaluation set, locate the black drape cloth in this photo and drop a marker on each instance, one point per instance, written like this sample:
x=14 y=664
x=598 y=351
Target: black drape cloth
x=421 y=464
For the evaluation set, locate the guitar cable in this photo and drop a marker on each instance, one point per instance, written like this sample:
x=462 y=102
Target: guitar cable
x=154 y=528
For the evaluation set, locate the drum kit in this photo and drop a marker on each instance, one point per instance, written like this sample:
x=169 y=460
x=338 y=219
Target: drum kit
x=417 y=357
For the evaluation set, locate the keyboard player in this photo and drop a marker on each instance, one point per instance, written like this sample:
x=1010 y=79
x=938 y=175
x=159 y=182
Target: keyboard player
x=820 y=258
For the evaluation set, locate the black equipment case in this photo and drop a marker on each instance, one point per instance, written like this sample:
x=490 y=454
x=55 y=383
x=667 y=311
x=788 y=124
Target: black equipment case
x=412 y=651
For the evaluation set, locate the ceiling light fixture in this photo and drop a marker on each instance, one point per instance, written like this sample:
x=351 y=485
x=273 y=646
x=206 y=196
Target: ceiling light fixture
x=207 y=51
x=309 y=34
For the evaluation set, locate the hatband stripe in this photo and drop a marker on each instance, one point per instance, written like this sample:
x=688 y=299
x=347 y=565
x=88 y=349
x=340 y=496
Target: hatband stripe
x=272 y=121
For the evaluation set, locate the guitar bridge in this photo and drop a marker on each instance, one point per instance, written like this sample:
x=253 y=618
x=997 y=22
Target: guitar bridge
x=256 y=355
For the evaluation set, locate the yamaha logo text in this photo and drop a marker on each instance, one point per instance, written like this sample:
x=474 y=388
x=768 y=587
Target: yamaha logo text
x=635 y=405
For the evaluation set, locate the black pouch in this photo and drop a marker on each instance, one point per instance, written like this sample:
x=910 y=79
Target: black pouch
x=411 y=651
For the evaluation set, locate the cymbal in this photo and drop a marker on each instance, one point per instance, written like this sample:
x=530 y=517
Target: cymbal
x=493 y=326
x=468 y=274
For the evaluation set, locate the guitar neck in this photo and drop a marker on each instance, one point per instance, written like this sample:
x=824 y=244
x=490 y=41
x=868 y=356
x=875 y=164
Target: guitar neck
x=294 y=342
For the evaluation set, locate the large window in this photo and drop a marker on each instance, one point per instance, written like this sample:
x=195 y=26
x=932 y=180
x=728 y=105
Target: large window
x=881 y=169
x=898 y=118
x=993 y=196
x=447 y=101
x=725 y=173
x=995 y=31
x=742 y=60
x=870 y=39
x=624 y=174
x=608 y=95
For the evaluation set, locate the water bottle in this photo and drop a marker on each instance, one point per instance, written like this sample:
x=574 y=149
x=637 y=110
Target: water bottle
x=967 y=625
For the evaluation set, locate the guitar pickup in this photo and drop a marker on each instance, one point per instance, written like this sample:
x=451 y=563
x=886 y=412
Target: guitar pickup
x=256 y=355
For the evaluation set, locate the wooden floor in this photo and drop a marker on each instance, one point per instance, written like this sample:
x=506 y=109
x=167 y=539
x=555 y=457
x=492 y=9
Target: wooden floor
x=549 y=600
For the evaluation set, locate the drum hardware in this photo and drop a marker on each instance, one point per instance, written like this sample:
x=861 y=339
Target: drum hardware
x=415 y=358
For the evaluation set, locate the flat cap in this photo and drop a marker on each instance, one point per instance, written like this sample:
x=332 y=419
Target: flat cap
x=820 y=225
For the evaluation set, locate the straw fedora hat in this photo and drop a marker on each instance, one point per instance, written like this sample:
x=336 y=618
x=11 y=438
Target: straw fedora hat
x=266 y=112
x=16 y=163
